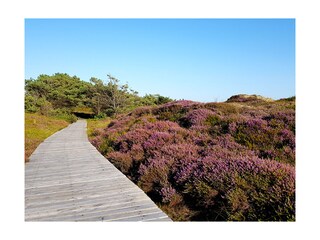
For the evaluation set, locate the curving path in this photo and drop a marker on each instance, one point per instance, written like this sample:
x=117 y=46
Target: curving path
x=67 y=179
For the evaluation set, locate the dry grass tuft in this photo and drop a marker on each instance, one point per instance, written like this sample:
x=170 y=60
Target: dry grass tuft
x=37 y=129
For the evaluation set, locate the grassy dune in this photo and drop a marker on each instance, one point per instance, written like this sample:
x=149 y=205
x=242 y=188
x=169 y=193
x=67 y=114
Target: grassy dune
x=37 y=129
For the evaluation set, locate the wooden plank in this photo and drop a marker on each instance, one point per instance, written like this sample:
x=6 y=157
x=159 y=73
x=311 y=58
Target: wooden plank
x=72 y=190
x=73 y=186
x=72 y=175
x=63 y=181
x=63 y=200
x=76 y=208
x=138 y=215
x=142 y=216
x=61 y=210
x=157 y=219
x=67 y=179
x=99 y=211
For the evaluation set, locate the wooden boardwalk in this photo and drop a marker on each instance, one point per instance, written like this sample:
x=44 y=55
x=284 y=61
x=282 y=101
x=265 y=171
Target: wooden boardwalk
x=67 y=179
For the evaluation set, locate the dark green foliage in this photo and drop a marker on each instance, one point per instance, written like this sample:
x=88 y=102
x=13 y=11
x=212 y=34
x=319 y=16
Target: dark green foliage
x=47 y=93
x=217 y=125
x=156 y=99
x=36 y=104
x=172 y=111
x=60 y=90
x=289 y=99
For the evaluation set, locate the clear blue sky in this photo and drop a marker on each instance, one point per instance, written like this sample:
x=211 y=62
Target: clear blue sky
x=198 y=59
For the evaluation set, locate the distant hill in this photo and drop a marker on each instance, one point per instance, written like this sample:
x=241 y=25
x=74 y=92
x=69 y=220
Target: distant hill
x=248 y=98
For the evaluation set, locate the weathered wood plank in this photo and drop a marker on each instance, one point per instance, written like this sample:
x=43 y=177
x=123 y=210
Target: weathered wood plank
x=49 y=192
x=142 y=216
x=73 y=186
x=136 y=215
x=80 y=208
x=99 y=210
x=81 y=198
x=67 y=179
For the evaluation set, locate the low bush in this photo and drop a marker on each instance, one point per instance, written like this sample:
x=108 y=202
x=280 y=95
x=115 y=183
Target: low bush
x=246 y=189
x=205 y=162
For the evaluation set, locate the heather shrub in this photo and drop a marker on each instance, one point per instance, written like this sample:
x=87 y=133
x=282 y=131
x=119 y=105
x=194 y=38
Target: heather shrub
x=145 y=119
x=287 y=103
x=138 y=112
x=107 y=141
x=167 y=194
x=162 y=126
x=254 y=134
x=154 y=175
x=176 y=208
x=137 y=152
x=243 y=189
x=104 y=145
x=271 y=136
x=122 y=161
x=224 y=108
x=179 y=104
x=224 y=147
x=173 y=111
x=206 y=161
x=282 y=119
x=195 y=117
x=126 y=141
x=286 y=138
x=217 y=125
x=157 y=140
x=96 y=132
x=171 y=116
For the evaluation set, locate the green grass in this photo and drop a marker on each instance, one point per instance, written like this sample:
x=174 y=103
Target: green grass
x=37 y=129
x=94 y=125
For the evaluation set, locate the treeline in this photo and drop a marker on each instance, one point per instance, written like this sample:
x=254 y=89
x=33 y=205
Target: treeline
x=61 y=94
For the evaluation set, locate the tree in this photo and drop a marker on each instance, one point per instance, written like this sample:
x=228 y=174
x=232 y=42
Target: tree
x=118 y=95
x=61 y=90
x=99 y=95
x=112 y=97
x=154 y=99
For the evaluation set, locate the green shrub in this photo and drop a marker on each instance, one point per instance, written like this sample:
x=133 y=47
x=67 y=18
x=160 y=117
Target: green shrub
x=30 y=104
x=217 y=125
x=64 y=114
x=34 y=104
x=100 y=116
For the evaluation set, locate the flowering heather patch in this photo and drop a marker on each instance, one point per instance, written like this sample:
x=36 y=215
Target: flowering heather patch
x=167 y=194
x=138 y=112
x=267 y=189
x=214 y=161
x=282 y=119
x=196 y=117
x=180 y=103
x=173 y=111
